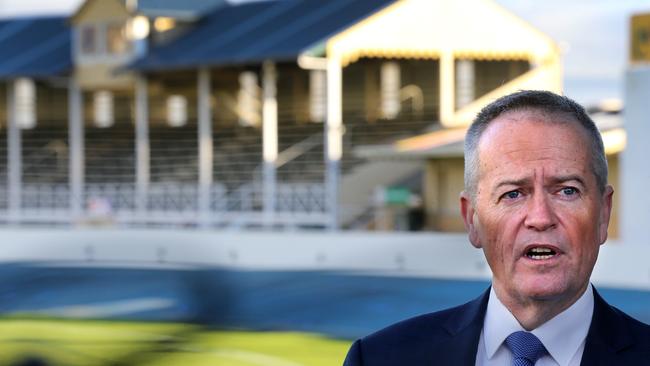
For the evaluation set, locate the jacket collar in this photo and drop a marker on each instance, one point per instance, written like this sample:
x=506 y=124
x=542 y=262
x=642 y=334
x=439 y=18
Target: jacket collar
x=464 y=328
x=471 y=315
x=608 y=334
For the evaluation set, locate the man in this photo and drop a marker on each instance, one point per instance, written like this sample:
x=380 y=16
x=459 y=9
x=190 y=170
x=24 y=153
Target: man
x=537 y=202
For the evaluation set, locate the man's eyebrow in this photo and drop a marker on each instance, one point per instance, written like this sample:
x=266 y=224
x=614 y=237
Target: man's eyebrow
x=568 y=178
x=553 y=180
x=512 y=182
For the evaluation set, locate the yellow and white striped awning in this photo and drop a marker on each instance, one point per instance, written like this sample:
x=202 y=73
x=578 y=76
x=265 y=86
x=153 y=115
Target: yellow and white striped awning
x=477 y=29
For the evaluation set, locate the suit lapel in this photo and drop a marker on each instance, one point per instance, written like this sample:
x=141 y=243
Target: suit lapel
x=607 y=335
x=464 y=329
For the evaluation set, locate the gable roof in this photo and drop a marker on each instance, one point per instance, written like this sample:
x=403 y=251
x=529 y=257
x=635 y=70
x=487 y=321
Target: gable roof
x=254 y=32
x=478 y=29
x=34 y=47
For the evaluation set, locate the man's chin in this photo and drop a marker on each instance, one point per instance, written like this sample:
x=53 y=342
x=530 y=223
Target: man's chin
x=542 y=289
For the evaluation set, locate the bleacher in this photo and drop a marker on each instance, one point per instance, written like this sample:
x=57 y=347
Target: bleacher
x=173 y=153
x=110 y=162
x=45 y=155
x=303 y=144
x=237 y=153
x=110 y=153
x=237 y=150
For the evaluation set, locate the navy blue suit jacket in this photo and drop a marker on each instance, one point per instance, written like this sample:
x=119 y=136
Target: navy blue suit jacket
x=450 y=337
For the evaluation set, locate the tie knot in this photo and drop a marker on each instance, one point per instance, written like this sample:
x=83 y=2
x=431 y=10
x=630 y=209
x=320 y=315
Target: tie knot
x=525 y=345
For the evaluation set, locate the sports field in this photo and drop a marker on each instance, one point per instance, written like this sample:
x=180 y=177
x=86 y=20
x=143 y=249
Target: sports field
x=74 y=342
x=81 y=315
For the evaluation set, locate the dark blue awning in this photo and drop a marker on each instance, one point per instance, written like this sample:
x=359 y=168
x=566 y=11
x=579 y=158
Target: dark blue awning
x=254 y=32
x=35 y=47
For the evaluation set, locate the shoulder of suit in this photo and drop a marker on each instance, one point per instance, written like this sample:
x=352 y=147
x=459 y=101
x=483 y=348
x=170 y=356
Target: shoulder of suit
x=636 y=328
x=425 y=325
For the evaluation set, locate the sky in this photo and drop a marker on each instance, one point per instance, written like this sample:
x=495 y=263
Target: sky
x=593 y=36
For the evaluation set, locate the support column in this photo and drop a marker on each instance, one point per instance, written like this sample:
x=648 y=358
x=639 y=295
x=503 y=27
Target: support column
x=14 y=157
x=269 y=138
x=76 y=150
x=333 y=139
x=635 y=176
x=205 y=145
x=142 y=154
x=447 y=93
x=465 y=83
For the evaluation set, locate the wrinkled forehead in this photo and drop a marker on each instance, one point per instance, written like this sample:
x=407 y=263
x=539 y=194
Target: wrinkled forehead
x=538 y=115
x=529 y=136
x=516 y=119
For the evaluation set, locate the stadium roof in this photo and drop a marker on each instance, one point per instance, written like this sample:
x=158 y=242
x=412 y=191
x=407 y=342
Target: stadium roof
x=183 y=9
x=258 y=31
x=34 y=47
x=189 y=10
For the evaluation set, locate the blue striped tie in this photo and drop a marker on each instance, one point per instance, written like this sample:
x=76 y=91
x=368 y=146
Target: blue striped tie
x=525 y=347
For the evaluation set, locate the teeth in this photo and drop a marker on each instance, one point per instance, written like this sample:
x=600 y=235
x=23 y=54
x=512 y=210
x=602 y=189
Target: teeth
x=540 y=257
x=541 y=250
x=540 y=253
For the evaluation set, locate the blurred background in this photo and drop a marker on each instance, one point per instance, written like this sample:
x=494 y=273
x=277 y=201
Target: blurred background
x=262 y=182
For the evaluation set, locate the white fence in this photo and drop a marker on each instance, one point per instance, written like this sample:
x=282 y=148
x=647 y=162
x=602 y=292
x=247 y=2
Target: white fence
x=297 y=205
x=433 y=255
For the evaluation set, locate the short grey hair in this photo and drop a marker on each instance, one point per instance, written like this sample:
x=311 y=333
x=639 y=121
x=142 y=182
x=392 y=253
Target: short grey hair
x=535 y=101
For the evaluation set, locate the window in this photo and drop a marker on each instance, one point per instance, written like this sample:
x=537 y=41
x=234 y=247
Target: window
x=317 y=95
x=116 y=41
x=176 y=110
x=390 y=89
x=103 y=39
x=88 y=39
x=464 y=82
x=163 y=24
x=25 y=103
x=103 y=109
x=248 y=100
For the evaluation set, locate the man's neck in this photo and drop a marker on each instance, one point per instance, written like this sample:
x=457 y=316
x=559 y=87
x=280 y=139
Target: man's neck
x=531 y=313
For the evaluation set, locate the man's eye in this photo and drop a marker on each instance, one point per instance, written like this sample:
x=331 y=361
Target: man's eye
x=569 y=191
x=512 y=195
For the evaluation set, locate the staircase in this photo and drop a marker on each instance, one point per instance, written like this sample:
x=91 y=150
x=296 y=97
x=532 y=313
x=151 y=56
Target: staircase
x=358 y=186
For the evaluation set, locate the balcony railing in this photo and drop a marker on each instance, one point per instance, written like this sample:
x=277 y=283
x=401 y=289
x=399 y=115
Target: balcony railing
x=298 y=204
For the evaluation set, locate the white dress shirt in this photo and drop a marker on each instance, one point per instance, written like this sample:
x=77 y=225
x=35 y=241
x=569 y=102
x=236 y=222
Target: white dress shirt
x=563 y=336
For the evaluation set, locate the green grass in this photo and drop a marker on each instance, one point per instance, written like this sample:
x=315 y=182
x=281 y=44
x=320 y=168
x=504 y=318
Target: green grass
x=83 y=342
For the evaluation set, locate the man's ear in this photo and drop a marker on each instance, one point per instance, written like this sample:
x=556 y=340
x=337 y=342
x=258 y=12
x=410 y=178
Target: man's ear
x=467 y=211
x=605 y=213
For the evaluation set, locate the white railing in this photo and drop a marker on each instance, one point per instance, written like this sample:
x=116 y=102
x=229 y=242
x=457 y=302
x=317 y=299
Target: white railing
x=307 y=198
x=298 y=204
x=117 y=197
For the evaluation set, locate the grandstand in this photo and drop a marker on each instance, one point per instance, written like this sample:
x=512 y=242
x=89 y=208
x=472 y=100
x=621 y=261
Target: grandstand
x=174 y=129
x=245 y=115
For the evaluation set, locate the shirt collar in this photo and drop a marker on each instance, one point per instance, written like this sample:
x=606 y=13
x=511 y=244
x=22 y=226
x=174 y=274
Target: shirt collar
x=561 y=335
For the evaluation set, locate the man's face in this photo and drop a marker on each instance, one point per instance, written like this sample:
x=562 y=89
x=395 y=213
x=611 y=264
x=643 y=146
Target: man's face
x=538 y=213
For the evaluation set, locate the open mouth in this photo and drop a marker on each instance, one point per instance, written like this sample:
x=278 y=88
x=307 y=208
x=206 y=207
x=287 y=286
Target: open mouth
x=540 y=253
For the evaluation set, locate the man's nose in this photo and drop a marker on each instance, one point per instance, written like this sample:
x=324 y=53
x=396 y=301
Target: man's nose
x=540 y=215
